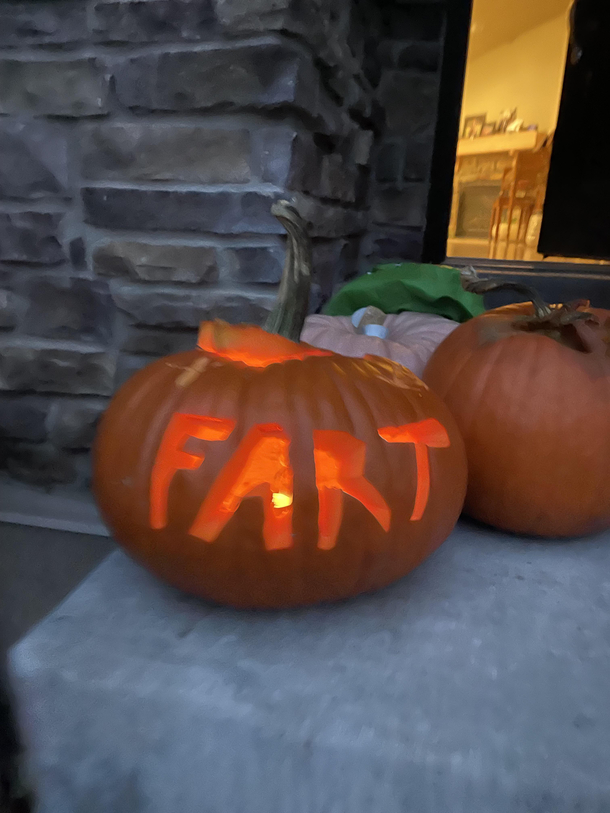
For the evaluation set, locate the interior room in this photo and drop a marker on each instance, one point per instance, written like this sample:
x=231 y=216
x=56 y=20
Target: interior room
x=512 y=91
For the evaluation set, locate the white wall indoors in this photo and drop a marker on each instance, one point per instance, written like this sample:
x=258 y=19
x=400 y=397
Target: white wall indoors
x=526 y=73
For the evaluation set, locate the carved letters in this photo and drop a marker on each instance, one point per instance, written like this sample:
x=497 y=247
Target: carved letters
x=260 y=467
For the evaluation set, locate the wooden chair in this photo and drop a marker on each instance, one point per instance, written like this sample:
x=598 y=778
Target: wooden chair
x=522 y=188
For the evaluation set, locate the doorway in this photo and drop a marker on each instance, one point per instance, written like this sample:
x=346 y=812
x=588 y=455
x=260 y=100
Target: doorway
x=511 y=98
x=510 y=105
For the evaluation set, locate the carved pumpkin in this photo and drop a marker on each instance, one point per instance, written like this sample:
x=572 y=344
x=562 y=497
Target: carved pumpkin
x=259 y=472
x=410 y=340
x=529 y=386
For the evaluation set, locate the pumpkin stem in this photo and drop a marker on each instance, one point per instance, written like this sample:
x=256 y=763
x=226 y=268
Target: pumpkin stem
x=288 y=316
x=546 y=317
x=472 y=283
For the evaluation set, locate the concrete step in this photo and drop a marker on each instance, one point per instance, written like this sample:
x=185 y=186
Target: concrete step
x=478 y=683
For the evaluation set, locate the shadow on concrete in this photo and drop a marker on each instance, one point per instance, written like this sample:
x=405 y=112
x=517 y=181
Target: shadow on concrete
x=38 y=568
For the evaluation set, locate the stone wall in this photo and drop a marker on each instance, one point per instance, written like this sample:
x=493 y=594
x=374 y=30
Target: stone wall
x=141 y=145
x=407 y=62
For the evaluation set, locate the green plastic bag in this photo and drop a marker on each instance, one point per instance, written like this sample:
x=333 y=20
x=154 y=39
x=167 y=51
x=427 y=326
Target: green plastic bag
x=408 y=287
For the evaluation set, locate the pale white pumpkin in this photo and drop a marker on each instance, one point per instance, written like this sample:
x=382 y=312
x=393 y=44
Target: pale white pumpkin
x=411 y=337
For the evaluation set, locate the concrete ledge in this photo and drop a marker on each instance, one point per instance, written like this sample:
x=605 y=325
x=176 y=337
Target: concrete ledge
x=479 y=683
x=61 y=510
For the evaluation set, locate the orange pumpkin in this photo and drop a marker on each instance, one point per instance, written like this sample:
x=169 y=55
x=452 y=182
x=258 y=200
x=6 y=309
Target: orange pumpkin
x=259 y=472
x=529 y=387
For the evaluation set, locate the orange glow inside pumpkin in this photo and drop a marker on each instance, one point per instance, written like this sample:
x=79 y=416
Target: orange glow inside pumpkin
x=171 y=457
x=425 y=434
x=339 y=460
x=259 y=468
x=251 y=345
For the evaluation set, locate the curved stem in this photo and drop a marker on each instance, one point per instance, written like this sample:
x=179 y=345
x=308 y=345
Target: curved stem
x=472 y=283
x=288 y=316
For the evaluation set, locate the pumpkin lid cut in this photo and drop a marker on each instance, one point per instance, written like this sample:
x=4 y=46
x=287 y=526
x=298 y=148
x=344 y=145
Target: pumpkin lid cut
x=279 y=341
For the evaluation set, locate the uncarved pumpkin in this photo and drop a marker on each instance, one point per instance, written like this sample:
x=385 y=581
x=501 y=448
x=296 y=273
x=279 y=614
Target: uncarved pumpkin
x=259 y=472
x=410 y=341
x=529 y=387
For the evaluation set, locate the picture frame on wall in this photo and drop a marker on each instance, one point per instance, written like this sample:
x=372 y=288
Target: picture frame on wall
x=506 y=118
x=489 y=128
x=473 y=126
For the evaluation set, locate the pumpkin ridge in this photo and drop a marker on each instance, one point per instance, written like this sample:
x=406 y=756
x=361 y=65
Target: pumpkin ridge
x=357 y=393
x=386 y=451
x=471 y=361
x=299 y=552
x=505 y=485
x=457 y=370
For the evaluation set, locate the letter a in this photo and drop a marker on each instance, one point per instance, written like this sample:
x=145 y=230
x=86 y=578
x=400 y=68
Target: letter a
x=259 y=468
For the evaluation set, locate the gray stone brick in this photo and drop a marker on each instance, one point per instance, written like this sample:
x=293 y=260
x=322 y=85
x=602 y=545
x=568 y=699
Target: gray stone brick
x=333 y=262
x=388 y=163
x=415 y=21
x=42 y=23
x=287 y=158
x=326 y=220
x=322 y=26
x=152 y=262
x=247 y=15
x=62 y=308
x=71 y=368
x=30 y=237
x=78 y=253
x=33 y=160
x=387 y=245
x=424 y=56
x=305 y=166
x=410 y=54
x=362 y=144
x=272 y=149
x=23 y=417
x=386 y=54
x=272 y=153
x=72 y=423
x=39 y=464
x=418 y=157
x=181 y=309
x=260 y=264
x=83 y=463
x=401 y=207
x=11 y=308
x=237 y=76
x=337 y=179
x=159 y=342
x=326 y=258
x=336 y=120
x=153 y=20
x=362 y=105
x=162 y=210
x=410 y=101
x=165 y=152
x=72 y=88
x=128 y=366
